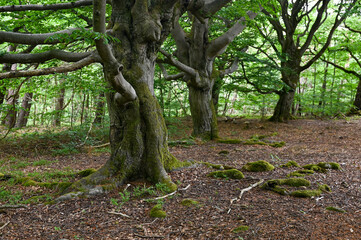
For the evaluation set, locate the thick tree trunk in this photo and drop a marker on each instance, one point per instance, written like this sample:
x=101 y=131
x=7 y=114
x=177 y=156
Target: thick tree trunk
x=138 y=137
x=203 y=113
x=282 y=112
x=24 y=111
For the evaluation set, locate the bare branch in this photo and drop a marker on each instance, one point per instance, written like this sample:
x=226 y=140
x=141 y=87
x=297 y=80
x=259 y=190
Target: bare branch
x=343 y=69
x=179 y=65
x=42 y=57
x=231 y=69
x=351 y=29
x=33 y=39
x=43 y=7
x=170 y=77
x=219 y=45
x=46 y=71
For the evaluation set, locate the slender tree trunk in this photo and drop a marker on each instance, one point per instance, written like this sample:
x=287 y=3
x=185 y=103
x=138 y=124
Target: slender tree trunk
x=59 y=107
x=99 y=109
x=357 y=102
x=323 y=89
x=12 y=99
x=2 y=94
x=216 y=90
x=24 y=111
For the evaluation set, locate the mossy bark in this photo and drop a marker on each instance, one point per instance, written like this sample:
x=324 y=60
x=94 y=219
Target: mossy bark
x=138 y=134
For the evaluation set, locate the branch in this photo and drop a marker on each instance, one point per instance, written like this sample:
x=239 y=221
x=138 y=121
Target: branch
x=33 y=39
x=46 y=71
x=179 y=37
x=42 y=57
x=351 y=29
x=219 y=45
x=213 y=7
x=343 y=69
x=179 y=65
x=42 y=7
x=329 y=38
x=231 y=69
x=170 y=77
x=112 y=67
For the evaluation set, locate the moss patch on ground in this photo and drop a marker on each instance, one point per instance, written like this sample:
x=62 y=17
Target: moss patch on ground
x=241 y=228
x=157 y=212
x=258 y=166
x=230 y=173
x=322 y=166
x=301 y=173
x=229 y=141
x=217 y=166
x=189 y=202
x=290 y=164
x=335 y=209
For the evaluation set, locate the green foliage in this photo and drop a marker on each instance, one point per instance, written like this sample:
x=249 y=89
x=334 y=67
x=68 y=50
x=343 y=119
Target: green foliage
x=335 y=209
x=241 y=228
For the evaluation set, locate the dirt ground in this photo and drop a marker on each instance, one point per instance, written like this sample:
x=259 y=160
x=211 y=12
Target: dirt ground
x=267 y=214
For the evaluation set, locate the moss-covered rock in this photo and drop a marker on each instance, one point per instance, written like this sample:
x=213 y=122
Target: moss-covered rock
x=230 y=173
x=335 y=209
x=241 y=228
x=306 y=193
x=325 y=188
x=258 y=166
x=223 y=152
x=277 y=144
x=301 y=173
x=322 y=166
x=157 y=212
x=86 y=172
x=290 y=164
x=229 y=141
x=189 y=202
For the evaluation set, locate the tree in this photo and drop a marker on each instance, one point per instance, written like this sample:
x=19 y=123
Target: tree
x=127 y=50
x=296 y=28
x=195 y=56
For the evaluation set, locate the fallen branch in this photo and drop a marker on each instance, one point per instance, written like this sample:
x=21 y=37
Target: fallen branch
x=100 y=146
x=12 y=206
x=243 y=191
x=121 y=214
x=3 y=226
x=168 y=195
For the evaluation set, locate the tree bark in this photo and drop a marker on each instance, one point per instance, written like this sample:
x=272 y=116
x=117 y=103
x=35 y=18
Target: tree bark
x=357 y=102
x=203 y=113
x=282 y=112
x=24 y=111
x=12 y=99
x=59 y=107
x=99 y=109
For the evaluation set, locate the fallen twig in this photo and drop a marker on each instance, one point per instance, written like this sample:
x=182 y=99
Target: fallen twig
x=3 y=226
x=168 y=195
x=12 y=206
x=243 y=191
x=119 y=213
x=100 y=146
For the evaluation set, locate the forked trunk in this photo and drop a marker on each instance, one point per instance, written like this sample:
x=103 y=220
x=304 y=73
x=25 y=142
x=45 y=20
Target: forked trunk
x=203 y=113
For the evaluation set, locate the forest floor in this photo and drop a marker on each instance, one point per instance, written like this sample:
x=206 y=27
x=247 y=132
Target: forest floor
x=262 y=213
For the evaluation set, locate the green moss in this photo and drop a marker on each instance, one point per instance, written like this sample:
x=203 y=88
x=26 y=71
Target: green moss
x=253 y=142
x=241 y=228
x=295 y=182
x=229 y=141
x=211 y=165
x=29 y=183
x=314 y=167
x=86 y=172
x=290 y=164
x=189 y=202
x=322 y=166
x=157 y=212
x=277 y=144
x=325 y=188
x=335 y=209
x=295 y=174
x=230 y=173
x=306 y=193
x=258 y=166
